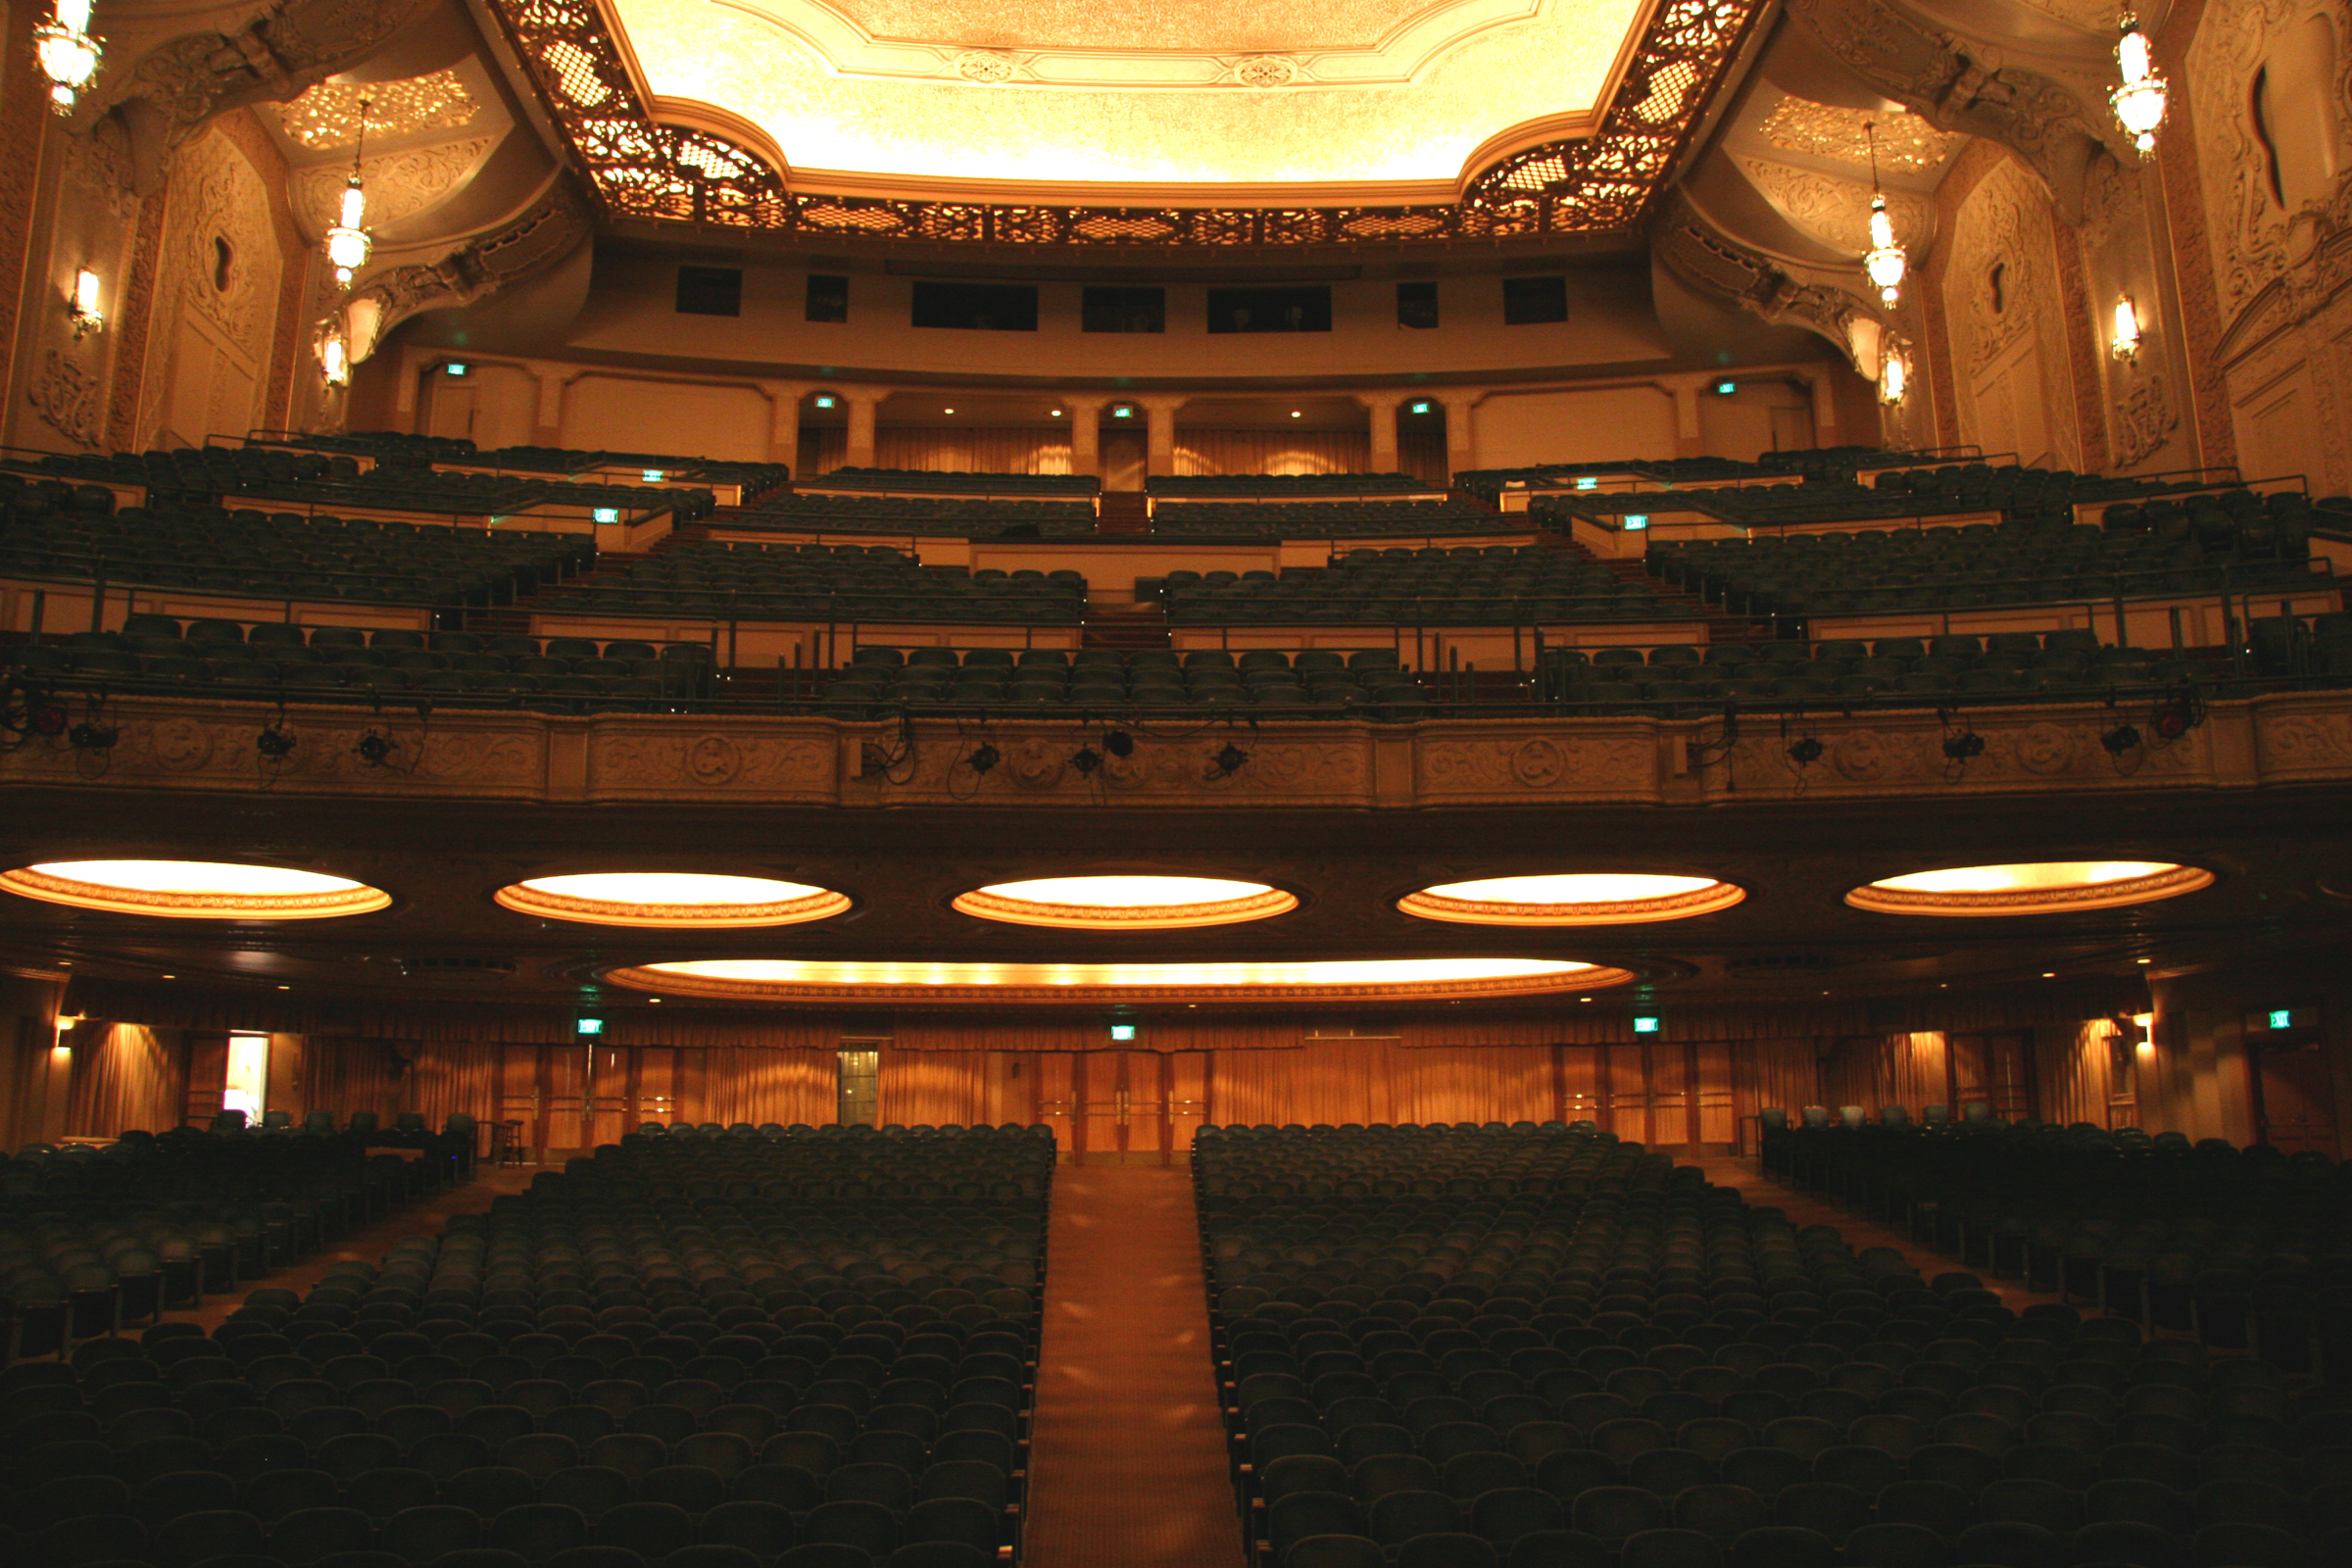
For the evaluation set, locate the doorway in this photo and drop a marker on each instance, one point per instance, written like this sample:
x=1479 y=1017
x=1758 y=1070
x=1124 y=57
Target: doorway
x=861 y=1093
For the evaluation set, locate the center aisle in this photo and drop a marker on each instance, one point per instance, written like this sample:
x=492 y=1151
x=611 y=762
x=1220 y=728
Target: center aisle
x=1127 y=1451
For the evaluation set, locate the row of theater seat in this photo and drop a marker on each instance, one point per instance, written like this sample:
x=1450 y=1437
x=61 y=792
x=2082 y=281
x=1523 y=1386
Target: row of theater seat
x=1465 y=585
x=2248 y=1250
x=914 y=514
x=1309 y=519
x=758 y=479
x=1264 y=485
x=955 y=481
x=750 y=582
x=1454 y=1347
x=714 y=1347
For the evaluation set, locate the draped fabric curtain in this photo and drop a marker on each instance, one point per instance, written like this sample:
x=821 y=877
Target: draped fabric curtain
x=1281 y=452
x=2077 y=1077
x=933 y=1088
x=1788 y=1072
x=951 y=449
x=964 y=1031
x=1475 y=1083
x=343 y=1073
x=823 y=448
x=782 y=1086
x=1873 y=1070
x=451 y=1077
x=124 y=1075
x=1422 y=453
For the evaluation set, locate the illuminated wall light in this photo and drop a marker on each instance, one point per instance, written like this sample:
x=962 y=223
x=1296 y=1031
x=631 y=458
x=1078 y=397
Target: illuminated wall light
x=947 y=410
x=2125 y=345
x=1895 y=377
x=335 y=360
x=2139 y=102
x=69 y=56
x=82 y=309
x=1056 y=413
x=1294 y=414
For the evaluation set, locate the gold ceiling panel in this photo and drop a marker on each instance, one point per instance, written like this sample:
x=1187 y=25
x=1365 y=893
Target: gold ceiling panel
x=1907 y=144
x=328 y=115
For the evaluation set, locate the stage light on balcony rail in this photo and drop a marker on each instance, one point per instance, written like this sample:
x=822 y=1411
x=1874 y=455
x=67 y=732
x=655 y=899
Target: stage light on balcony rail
x=2124 y=346
x=69 y=56
x=82 y=309
x=2139 y=102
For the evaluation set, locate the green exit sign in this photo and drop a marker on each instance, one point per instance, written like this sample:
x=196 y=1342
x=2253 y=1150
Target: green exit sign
x=2282 y=1019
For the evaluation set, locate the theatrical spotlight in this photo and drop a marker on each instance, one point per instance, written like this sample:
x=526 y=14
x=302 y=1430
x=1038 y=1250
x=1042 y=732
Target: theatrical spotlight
x=373 y=749
x=1806 y=752
x=90 y=736
x=2119 y=740
x=274 y=743
x=1118 y=743
x=1962 y=747
x=984 y=756
x=1086 y=761
x=1229 y=761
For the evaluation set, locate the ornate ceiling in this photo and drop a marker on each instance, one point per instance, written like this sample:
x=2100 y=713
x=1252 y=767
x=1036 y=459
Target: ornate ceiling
x=1179 y=125
x=1180 y=91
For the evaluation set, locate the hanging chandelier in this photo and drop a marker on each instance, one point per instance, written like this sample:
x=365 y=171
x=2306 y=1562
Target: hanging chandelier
x=2140 y=103
x=69 y=56
x=1884 y=260
x=348 y=243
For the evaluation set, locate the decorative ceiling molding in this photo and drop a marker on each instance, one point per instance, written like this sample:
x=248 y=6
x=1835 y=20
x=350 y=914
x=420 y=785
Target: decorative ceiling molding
x=1906 y=143
x=1836 y=211
x=1689 y=245
x=329 y=116
x=1957 y=84
x=648 y=171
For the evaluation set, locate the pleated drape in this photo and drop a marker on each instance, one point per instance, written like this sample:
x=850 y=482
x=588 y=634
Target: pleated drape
x=934 y=1088
x=125 y=1076
x=1281 y=452
x=947 y=449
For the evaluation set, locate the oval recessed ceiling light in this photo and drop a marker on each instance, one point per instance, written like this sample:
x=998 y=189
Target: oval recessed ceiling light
x=2030 y=887
x=1126 y=903
x=1599 y=898
x=679 y=900
x=943 y=981
x=195 y=890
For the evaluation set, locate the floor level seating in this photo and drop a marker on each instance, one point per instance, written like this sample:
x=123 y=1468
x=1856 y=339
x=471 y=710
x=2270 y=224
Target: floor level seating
x=1527 y=1345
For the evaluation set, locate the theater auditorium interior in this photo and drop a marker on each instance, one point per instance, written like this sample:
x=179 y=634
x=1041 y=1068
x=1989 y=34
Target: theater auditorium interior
x=656 y=911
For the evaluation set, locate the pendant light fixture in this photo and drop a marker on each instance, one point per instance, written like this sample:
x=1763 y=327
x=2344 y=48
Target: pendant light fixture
x=1884 y=260
x=348 y=243
x=69 y=56
x=2140 y=103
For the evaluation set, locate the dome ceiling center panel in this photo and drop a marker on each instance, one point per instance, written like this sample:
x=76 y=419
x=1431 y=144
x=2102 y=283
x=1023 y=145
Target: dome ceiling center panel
x=1176 y=92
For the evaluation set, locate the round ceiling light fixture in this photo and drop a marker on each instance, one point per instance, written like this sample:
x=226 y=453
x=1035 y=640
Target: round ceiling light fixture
x=671 y=900
x=1251 y=982
x=1126 y=903
x=195 y=890
x=2029 y=887
x=1596 y=897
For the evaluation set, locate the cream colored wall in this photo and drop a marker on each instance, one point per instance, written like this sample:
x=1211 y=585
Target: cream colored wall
x=1516 y=429
x=2273 y=167
x=2002 y=302
x=625 y=413
x=630 y=310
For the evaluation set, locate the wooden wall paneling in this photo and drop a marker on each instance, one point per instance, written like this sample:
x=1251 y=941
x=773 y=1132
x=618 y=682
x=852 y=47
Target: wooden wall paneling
x=519 y=1097
x=607 y=1100
x=565 y=1088
x=1145 y=1104
x=1714 y=1107
x=1666 y=1073
x=1995 y=1068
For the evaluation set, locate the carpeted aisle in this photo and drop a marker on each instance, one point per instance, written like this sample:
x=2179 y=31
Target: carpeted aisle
x=1127 y=1453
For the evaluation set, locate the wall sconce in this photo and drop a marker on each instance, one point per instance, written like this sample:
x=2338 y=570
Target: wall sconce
x=69 y=56
x=2125 y=346
x=82 y=309
x=335 y=360
x=1895 y=377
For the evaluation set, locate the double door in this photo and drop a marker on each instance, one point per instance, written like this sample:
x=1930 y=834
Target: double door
x=1109 y=1107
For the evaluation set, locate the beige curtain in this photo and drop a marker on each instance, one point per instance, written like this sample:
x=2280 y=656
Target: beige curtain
x=1280 y=452
x=949 y=449
x=125 y=1076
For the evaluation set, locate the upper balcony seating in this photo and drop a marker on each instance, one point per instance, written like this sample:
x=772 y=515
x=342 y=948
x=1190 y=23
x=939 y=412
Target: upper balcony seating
x=344 y=664
x=1369 y=683
x=49 y=531
x=955 y=482
x=1463 y=586
x=426 y=451
x=1325 y=519
x=2160 y=548
x=1490 y=483
x=1282 y=485
x=811 y=513
x=818 y=582
x=313 y=478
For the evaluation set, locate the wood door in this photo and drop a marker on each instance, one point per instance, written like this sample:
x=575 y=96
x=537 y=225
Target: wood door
x=563 y=1081
x=1121 y=1113
x=1579 y=1084
x=520 y=1099
x=1055 y=1075
x=1717 y=1114
x=1995 y=1069
x=1668 y=1067
x=609 y=1095
x=1188 y=1080
x=2296 y=1109
x=655 y=1097
x=1628 y=1092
